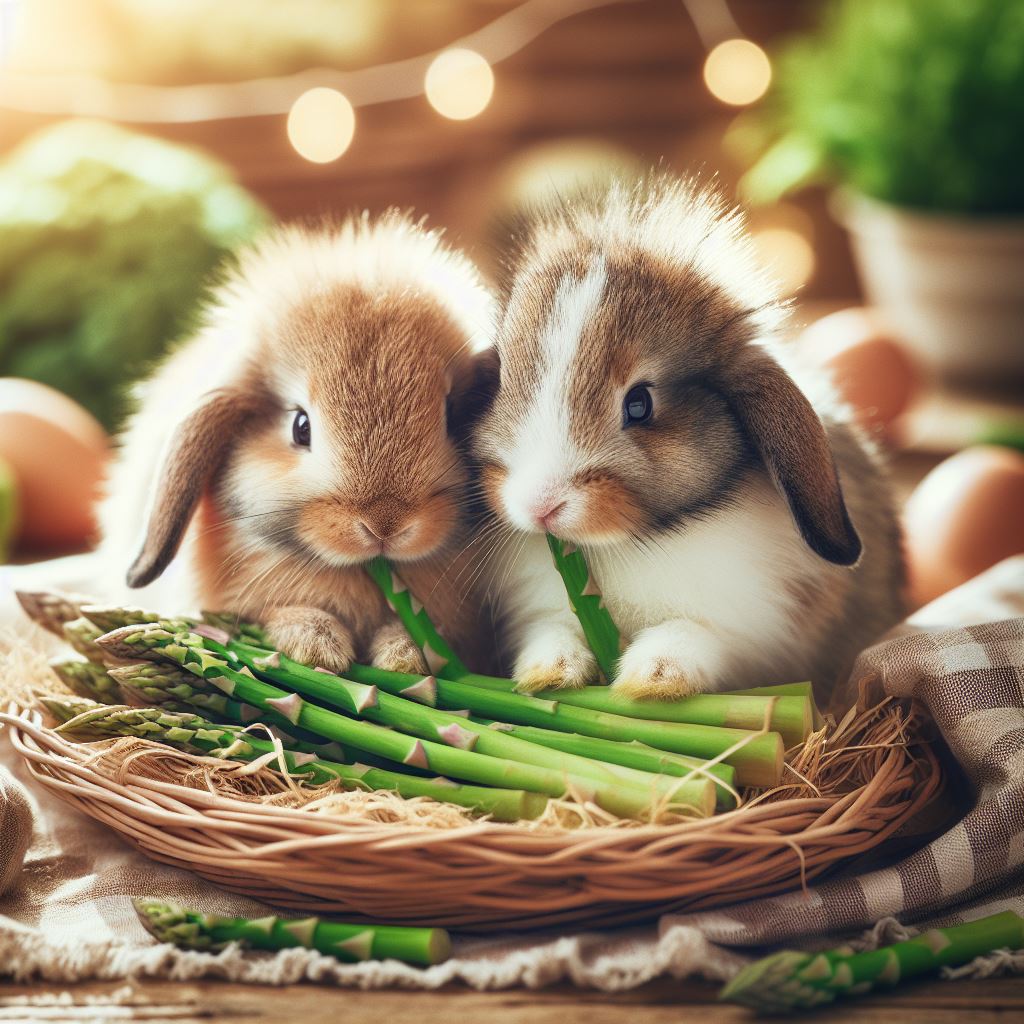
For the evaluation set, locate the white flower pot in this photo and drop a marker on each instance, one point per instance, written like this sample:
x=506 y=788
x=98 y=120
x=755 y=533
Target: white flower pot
x=953 y=286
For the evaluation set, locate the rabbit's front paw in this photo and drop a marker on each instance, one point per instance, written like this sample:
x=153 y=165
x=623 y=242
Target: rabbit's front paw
x=554 y=659
x=393 y=649
x=311 y=636
x=669 y=661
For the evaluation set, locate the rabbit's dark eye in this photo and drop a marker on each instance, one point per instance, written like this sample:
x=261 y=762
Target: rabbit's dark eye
x=637 y=406
x=300 y=429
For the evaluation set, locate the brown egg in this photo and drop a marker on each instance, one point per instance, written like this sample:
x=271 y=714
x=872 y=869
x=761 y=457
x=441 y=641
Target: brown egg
x=873 y=372
x=57 y=452
x=964 y=516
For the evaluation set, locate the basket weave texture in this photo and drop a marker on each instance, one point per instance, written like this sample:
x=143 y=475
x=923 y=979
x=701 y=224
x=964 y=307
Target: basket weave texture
x=853 y=785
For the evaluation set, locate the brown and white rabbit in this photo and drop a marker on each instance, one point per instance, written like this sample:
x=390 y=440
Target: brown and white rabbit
x=313 y=422
x=645 y=414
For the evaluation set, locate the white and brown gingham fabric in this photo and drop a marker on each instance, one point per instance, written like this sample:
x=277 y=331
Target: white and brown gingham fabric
x=69 y=915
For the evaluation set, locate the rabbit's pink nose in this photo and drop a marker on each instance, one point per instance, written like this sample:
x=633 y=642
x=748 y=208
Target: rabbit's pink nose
x=545 y=514
x=384 y=532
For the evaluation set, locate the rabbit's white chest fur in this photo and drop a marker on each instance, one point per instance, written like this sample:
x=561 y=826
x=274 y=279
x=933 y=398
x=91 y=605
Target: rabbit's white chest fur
x=721 y=595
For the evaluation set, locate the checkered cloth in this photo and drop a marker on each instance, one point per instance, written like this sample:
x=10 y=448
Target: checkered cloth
x=69 y=916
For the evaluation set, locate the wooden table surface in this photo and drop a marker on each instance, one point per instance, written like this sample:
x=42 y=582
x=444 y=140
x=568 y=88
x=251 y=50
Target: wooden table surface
x=661 y=1002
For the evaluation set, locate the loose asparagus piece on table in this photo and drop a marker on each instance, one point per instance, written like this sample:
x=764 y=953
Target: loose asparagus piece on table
x=788 y=981
x=601 y=633
x=190 y=929
x=448 y=755
x=194 y=734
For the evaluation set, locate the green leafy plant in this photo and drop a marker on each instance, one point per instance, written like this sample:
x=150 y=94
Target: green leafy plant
x=918 y=103
x=106 y=241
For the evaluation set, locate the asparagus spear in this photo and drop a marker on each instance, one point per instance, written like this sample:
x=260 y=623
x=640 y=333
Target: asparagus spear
x=601 y=633
x=632 y=755
x=428 y=723
x=192 y=733
x=440 y=658
x=190 y=929
x=447 y=666
x=757 y=757
x=87 y=679
x=81 y=635
x=805 y=689
x=50 y=609
x=788 y=981
x=449 y=757
x=790 y=716
x=154 y=684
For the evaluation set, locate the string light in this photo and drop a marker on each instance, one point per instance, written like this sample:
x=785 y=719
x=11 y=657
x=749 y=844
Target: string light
x=783 y=235
x=737 y=72
x=321 y=124
x=459 y=84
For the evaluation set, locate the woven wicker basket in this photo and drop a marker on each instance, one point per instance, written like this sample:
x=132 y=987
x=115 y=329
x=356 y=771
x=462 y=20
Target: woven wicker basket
x=873 y=773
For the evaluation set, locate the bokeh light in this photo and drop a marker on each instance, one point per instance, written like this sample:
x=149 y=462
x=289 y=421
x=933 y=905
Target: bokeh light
x=737 y=72
x=787 y=254
x=459 y=83
x=321 y=124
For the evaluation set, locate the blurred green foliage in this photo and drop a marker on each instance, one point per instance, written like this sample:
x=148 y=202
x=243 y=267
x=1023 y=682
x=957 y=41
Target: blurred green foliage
x=106 y=240
x=918 y=103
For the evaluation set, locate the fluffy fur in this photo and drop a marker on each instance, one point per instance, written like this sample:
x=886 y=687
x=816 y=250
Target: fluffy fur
x=728 y=547
x=371 y=328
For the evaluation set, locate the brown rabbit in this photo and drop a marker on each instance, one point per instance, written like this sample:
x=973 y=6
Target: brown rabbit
x=740 y=527
x=314 y=421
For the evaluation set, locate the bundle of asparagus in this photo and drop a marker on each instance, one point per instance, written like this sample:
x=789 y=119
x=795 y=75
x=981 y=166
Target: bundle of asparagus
x=190 y=929
x=788 y=981
x=788 y=709
x=84 y=719
x=631 y=758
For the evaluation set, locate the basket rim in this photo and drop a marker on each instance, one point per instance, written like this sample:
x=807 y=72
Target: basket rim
x=39 y=745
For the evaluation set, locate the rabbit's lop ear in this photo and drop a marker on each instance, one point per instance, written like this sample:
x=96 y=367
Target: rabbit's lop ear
x=472 y=392
x=195 y=451
x=790 y=438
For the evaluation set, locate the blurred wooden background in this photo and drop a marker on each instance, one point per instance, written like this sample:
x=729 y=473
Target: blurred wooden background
x=626 y=76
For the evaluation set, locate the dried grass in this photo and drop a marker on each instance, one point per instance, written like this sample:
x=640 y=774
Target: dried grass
x=851 y=785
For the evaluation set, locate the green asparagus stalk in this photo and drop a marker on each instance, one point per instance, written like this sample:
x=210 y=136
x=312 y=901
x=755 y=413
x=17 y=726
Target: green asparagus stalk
x=632 y=755
x=50 y=609
x=805 y=689
x=153 y=684
x=450 y=754
x=190 y=929
x=237 y=628
x=401 y=703
x=81 y=635
x=440 y=658
x=788 y=981
x=790 y=716
x=757 y=757
x=194 y=734
x=601 y=633
x=87 y=679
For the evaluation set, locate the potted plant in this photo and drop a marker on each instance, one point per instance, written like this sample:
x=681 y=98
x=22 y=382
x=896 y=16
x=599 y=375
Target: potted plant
x=915 y=110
